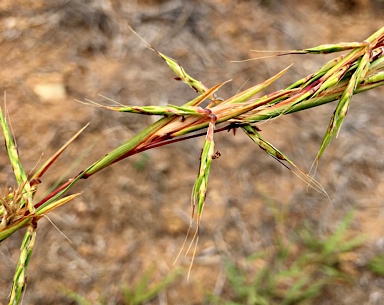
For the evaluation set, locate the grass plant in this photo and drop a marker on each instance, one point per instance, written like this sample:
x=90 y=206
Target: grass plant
x=143 y=292
x=376 y=264
x=295 y=271
x=358 y=70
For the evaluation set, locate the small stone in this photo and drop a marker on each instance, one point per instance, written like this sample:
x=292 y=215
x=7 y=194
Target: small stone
x=50 y=91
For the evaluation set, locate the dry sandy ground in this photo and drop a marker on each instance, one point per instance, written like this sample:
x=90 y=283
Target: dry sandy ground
x=135 y=214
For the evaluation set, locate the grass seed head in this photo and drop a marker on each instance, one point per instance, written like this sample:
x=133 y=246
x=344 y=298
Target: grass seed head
x=11 y=206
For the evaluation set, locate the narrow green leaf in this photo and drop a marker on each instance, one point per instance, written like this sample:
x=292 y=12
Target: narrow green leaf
x=80 y=300
x=336 y=240
x=151 y=292
x=17 y=225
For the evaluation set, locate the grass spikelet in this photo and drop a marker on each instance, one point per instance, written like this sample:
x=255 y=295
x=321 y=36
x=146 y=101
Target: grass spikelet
x=327 y=48
x=182 y=75
x=252 y=132
x=18 y=169
x=178 y=69
x=157 y=132
x=344 y=102
x=10 y=205
x=168 y=110
x=200 y=188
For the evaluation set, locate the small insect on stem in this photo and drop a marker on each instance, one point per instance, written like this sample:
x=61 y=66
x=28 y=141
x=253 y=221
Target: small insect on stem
x=217 y=155
x=255 y=127
x=233 y=127
x=34 y=182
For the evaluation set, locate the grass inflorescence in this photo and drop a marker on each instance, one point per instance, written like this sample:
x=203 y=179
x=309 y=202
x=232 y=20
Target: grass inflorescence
x=360 y=69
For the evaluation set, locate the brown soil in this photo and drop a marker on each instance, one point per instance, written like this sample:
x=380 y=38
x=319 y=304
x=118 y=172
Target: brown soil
x=135 y=214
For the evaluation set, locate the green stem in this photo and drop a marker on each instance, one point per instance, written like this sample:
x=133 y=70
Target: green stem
x=19 y=279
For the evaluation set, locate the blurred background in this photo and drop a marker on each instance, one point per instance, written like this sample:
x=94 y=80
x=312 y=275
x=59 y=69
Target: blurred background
x=259 y=221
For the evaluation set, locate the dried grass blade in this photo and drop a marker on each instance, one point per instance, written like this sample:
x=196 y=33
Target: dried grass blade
x=205 y=94
x=40 y=172
x=42 y=210
x=247 y=94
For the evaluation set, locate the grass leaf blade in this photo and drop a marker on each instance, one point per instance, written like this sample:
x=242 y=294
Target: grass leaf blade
x=40 y=172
